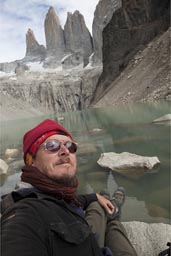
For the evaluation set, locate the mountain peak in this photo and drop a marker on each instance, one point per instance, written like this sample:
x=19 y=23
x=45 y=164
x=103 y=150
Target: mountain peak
x=54 y=35
x=34 y=51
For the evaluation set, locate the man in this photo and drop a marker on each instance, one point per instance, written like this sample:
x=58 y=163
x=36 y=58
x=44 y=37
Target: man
x=47 y=217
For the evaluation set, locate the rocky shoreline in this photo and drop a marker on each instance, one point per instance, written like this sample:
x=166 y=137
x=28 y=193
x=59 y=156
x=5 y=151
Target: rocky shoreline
x=148 y=239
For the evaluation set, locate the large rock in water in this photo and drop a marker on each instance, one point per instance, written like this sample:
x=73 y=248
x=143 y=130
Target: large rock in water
x=148 y=239
x=77 y=36
x=164 y=118
x=11 y=153
x=127 y=164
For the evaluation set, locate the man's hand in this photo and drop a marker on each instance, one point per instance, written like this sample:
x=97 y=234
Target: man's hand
x=106 y=204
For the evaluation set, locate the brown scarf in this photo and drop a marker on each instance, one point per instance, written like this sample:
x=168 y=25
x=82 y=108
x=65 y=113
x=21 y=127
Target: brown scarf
x=58 y=189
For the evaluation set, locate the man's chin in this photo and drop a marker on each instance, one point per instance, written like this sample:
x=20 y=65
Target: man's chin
x=65 y=177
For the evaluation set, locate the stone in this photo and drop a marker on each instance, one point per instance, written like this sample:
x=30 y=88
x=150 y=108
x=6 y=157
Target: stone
x=61 y=119
x=148 y=239
x=3 y=167
x=164 y=118
x=11 y=152
x=96 y=130
x=128 y=164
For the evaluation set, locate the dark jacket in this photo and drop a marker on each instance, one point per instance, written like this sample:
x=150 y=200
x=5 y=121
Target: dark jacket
x=40 y=225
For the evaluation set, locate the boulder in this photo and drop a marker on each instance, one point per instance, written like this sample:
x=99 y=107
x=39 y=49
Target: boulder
x=128 y=164
x=11 y=152
x=96 y=130
x=164 y=118
x=3 y=167
x=148 y=239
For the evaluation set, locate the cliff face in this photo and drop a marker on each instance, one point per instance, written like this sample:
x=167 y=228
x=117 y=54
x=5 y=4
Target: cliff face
x=131 y=28
x=102 y=16
x=40 y=93
x=146 y=78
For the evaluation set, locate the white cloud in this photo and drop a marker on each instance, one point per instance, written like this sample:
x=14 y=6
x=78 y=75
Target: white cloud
x=17 y=16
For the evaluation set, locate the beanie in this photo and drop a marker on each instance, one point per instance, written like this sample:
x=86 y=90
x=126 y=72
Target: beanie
x=45 y=129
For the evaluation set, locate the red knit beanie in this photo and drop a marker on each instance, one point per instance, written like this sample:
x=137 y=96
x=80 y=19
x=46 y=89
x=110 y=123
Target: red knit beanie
x=43 y=130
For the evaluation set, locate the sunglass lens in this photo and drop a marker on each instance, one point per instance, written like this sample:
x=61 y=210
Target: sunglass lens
x=53 y=146
x=71 y=146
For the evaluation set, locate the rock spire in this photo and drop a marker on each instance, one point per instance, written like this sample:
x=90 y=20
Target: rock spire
x=54 y=35
x=77 y=36
x=34 y=51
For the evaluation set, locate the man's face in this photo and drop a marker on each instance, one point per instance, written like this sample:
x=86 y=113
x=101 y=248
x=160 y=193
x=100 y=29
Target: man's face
x=59 y=165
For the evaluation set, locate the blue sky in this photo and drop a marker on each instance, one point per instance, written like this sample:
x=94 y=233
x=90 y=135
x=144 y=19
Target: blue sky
x=17 y=16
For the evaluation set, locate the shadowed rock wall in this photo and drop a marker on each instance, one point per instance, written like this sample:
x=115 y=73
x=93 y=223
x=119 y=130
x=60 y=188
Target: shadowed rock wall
x=132 y=26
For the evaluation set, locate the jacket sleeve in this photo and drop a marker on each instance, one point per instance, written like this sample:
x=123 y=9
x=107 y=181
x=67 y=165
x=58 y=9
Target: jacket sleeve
x=23 y=233
x=85 y=200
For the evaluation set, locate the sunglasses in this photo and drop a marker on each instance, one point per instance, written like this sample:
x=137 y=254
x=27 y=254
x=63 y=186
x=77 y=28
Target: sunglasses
x=54 y=146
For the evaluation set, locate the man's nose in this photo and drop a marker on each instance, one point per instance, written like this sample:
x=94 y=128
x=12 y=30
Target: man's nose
x=63 y=150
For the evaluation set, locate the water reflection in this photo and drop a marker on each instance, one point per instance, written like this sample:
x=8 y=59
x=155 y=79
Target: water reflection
x=110 y=130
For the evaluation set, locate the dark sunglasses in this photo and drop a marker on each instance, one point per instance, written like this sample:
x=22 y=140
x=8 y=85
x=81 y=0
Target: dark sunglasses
x=54 y=146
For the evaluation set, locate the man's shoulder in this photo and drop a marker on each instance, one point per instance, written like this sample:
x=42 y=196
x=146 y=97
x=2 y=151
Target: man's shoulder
x=24 y=198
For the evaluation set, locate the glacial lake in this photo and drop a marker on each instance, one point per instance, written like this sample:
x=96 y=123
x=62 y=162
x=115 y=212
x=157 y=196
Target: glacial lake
x=120 y=129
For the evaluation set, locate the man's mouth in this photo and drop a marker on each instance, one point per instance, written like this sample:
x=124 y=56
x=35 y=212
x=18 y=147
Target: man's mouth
x=63 y=161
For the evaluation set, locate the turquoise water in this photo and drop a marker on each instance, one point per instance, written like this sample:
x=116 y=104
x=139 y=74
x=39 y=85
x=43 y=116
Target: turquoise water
x=117 y=130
